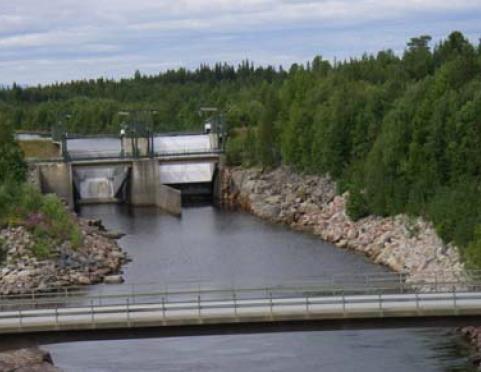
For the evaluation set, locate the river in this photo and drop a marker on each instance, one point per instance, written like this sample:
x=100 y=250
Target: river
x=234 y=248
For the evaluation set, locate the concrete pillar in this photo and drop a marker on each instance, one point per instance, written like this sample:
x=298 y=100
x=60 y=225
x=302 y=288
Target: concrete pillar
x=169 y=199
x=143 y=186
x=56 y=178
x=142 y=145
x=146 y=189
x=33 y=177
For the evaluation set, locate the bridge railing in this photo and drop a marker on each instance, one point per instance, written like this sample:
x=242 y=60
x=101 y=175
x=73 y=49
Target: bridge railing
x=383 y=283
x=235 y=309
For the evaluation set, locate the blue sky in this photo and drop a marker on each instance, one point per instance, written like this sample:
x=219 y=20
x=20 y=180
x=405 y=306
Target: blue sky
x=44 y=41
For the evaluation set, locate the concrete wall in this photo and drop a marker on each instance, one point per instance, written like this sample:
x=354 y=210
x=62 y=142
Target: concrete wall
x=33 y=177
x=169 y=199
x=143 y=183
x=146 y=189
x=56 y=178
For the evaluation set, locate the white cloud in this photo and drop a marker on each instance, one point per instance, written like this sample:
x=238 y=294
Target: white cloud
x=192 y=31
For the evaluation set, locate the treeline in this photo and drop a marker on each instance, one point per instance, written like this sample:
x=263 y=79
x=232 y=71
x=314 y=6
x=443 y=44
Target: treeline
x=402 y=133
x=93 y=105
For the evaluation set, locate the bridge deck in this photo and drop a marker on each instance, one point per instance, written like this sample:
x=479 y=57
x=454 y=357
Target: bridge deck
x=161 y=312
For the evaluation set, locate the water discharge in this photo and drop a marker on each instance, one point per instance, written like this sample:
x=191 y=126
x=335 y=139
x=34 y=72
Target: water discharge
x=99 y=183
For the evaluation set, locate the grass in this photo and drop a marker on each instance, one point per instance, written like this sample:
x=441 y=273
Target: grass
x=45 y=216
x=39 y=149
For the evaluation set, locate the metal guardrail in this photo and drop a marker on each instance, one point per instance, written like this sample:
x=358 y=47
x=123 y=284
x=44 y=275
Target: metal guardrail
x=188 y=152
x=361 y=284
x=336 y=296
x=117 y=155
x=236 y=310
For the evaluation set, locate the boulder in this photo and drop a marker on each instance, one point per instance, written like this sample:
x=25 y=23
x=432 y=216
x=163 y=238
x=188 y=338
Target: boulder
x=113 y=279
x=113 y=234
x=30 y=359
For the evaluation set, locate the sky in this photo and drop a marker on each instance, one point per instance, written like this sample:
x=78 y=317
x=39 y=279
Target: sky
x=47 y=41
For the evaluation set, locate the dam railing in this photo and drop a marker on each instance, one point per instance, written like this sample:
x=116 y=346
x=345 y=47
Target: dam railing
x=116 y=155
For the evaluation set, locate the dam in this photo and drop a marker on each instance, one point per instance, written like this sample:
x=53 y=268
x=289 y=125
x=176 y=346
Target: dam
x=158 y=171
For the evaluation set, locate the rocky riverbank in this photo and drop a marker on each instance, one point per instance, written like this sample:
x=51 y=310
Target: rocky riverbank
x=23 y=360
x=310 y=203
x=98 y=259
x=473 y=335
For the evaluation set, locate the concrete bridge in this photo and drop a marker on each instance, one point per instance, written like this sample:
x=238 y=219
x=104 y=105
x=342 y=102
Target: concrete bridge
x=73 y=310
x=141 y=173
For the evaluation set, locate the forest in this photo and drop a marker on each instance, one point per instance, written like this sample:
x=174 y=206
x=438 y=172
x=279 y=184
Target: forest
x=401 y=133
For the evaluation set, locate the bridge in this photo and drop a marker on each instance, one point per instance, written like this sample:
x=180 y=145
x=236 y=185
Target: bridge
x=379 y=298
x=154 y=171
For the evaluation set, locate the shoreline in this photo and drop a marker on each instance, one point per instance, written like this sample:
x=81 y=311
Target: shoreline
x=310 y=203
x=98 y=260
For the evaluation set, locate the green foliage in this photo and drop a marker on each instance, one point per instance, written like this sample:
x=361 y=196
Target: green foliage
x=401 y=134
x=472 y=253
x=8 y=200
x=62 y=227
x=12 y=166
x=45 y=216
x=31 y=199
x=266 y=132
x=456 y=211
x=356 y=205
x=42 y=248
x=234 y=151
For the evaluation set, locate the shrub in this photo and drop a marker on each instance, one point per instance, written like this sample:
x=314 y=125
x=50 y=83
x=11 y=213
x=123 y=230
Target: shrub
x=234 y=150
x=31 y=198
x=76 y=239
x=45 y=216
x=42 y=248
x=357 y=205
x=12 y=165
x=62 y=226
x=8 y=199
x=455 y=212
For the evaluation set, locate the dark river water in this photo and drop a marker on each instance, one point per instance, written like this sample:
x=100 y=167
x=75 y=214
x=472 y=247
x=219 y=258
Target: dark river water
x=232 y=248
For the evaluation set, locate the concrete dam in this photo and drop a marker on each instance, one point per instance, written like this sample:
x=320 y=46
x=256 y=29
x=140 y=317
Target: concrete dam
x=145 y=173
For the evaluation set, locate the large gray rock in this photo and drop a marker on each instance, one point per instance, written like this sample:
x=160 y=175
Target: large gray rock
x=113 y=279
x=30 y=359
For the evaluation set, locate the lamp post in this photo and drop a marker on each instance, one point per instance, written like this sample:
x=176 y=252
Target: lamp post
x=218 y=120
x=62 y=132
x=123 y=132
